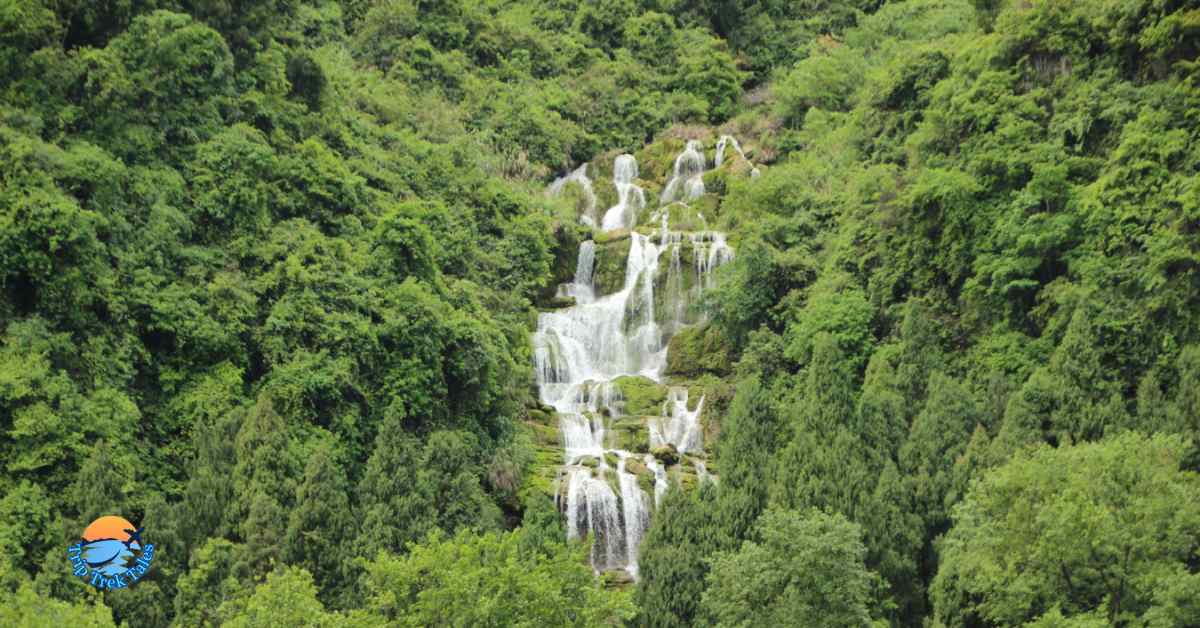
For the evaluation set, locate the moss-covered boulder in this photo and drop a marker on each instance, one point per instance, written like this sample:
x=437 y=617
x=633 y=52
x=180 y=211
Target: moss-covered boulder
x=637 y=467
x=684 y=476
x=656 y=161
x=667 y=454
x=629 y=433
x=643 y=396
x=567 y=238
x=618 y=579
x=606 y=193
x=697 y=350
x=612 y=255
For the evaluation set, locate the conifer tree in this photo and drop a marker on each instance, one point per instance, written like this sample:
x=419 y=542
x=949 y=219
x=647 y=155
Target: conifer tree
x=322 y=527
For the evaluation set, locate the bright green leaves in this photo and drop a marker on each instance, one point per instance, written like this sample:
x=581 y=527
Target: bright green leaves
x=234 y=175
x=505 y=585
x=158 y=87
x=1105 y=528
x=801 y=569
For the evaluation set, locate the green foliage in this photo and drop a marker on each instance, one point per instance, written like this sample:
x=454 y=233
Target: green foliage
x=26 y=608
x=673 y=560
x=287 y=596
x=1104 y=530
x=505 y=584
x=800 y=569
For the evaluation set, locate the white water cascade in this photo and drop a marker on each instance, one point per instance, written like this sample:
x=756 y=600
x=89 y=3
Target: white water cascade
x=581 y=351
x=687 y=182
x=579 y=177
x=630 y=198
x=722 y=143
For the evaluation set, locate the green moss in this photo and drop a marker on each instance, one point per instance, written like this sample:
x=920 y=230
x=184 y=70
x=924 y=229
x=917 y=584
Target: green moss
x=646 y=483
x=684 y=476
x=667 y=455
x=612 y=255
x=611 y=459
x=618 y=579
x=709 y=205
x=656 y=161
x=643 y=396
x=629 y=433
x=636 y=467
x=606 y=193
x=684 y=217
x=567 y=238
x=697 y=350
x=544 y=435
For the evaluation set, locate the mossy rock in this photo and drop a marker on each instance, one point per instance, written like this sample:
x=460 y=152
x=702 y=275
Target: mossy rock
x=628 y=432
x=606 y=237
x=656 y=161
x=637 y=467
x=611 y=459
x=694 y=351
x=643 y=396
x=544 y=434
x=557 y=303
x=709 y=205
x=611 y=258
x=606 y=193
x=617 y=579
x=567 y=238
x=590 y=462
x=540 y=416
x=684 y=217
x=684 y=476
x=667 y=454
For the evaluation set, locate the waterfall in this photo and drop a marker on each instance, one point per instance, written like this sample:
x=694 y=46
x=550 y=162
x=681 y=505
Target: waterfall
x=678 y=426
x=686 y=181
x=579 y=177
x=722 y=143
x=630 y=198
x=580 y=351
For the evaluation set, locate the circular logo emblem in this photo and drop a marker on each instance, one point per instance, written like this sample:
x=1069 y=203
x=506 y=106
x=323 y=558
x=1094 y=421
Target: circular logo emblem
x=111 y=554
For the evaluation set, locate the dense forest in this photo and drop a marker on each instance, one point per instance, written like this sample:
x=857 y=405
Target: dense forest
x=278 y=281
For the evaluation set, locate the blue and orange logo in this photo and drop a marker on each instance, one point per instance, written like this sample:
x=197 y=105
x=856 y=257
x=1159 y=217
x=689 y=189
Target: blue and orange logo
x=111 y=554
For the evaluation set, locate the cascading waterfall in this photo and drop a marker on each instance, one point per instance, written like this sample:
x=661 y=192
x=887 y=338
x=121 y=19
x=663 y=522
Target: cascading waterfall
x=687 y=179
x=722 y=143
x=579 y=177
x=678 y=426
x=630 y=198
x=579 y=352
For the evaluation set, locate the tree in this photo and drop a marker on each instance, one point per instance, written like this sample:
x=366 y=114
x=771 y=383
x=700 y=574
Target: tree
x=322 y=525
x=673 y=558
x=287 y=598
x=1107 y=530
x=393 y=511
x=750 y=433
x=264 y=484
x=486 y=580
x=207 y=584
x=26 y=608
x=800 y=570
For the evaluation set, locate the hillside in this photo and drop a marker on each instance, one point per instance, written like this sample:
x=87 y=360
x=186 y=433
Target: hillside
x=580 y=312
